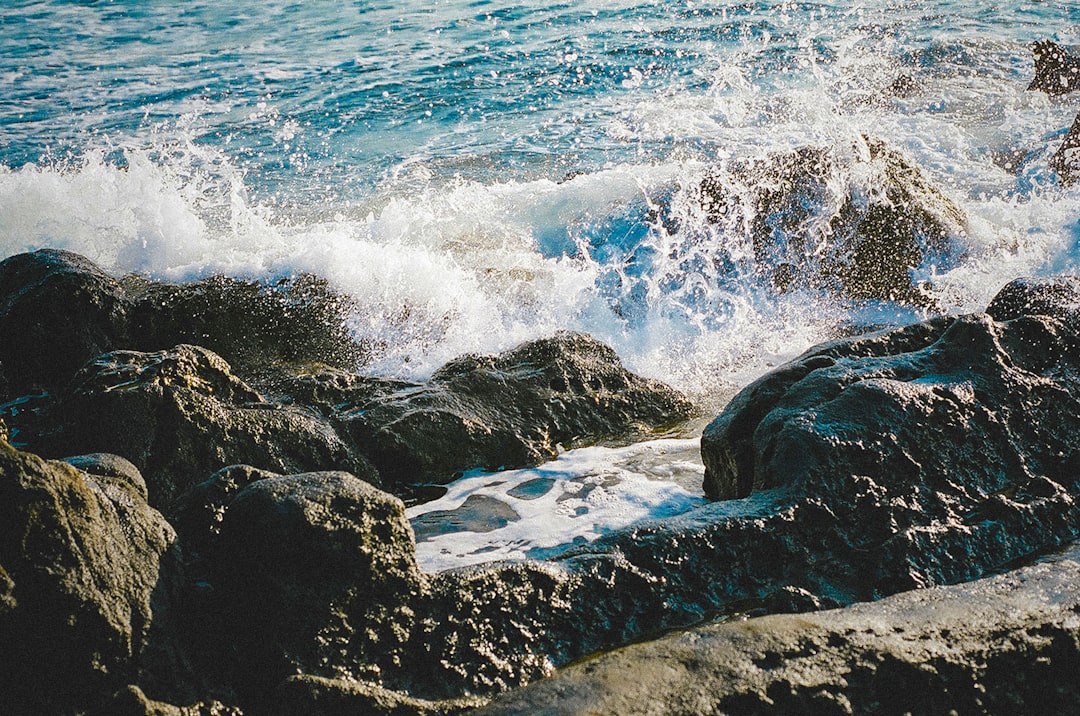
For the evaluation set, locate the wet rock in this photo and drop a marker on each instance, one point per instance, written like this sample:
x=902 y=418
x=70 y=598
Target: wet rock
x=507 y=411
x=1006 y=644
x=252 y=325
x=316 y=573
x=1056 y=71
x=857 y=223
x=57 y=311
x=1066 y=160
x=131 y=701
x=89 y=580
x=1057 y=296
x=180 y=415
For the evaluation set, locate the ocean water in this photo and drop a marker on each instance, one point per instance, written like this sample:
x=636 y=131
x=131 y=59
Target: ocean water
x=481 y=173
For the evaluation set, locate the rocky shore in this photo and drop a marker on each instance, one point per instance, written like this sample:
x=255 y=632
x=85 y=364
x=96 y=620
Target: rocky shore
x=202 y=499
x=187 y=529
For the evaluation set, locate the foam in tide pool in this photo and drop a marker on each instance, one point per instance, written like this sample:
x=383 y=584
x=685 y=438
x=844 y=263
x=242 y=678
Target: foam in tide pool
x=543 y=511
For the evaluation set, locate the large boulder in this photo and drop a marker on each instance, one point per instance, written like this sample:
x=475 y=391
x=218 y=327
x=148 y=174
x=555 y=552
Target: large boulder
x=89 y=580
x=515 y=409
x=316 y=573
x=180 y=415
x=57 y=311
x=856 y=222
x=1006 y=644
x=1056 y=71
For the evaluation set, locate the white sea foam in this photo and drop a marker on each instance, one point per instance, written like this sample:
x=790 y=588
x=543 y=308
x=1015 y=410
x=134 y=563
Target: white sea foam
x=582 y=495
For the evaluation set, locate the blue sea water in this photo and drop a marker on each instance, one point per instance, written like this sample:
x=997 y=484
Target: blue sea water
x=479 y=173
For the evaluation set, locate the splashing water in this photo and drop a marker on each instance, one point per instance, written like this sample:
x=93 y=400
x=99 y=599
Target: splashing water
x=480 y=174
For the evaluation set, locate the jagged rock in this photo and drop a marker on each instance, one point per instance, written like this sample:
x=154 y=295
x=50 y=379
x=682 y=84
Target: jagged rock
x=131 y=701
x=180 y=415
x=511 y=410
x=1006 y=644
x=1066 y=160
x=316 y=573
x=856 y=223
x=89 y=575
x=1056 y=71
x=57 y=311
x=252 y=325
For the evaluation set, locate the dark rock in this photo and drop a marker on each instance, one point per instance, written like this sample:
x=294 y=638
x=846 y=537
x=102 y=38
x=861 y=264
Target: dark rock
x=1056 y=71
x=179 y=416
x=131 y=701
x=511 y=410
x=853 y=223
x=316 y=573
x=1066 y=160
x=1006 y=644
x=252 y=325
x=1058 y=297
x=57 y=311
x=89 y=575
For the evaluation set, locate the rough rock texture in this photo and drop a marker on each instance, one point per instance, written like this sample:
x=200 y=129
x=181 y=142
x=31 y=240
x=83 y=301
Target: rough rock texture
x=857 y=223
x=1066 y=160
x=1004 y=645
x=57 y=311
x=252 y=325
x=179 y=415
x=316 y=573
x=510 y=410
x=1056 y=71
x=89 y=575
x=316 y=696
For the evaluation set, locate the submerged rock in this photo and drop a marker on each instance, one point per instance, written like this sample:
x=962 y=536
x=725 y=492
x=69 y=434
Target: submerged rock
x=1005 y=644
x=180 y=415
x=89 y=580
x=1056 y=71
x=855 y=223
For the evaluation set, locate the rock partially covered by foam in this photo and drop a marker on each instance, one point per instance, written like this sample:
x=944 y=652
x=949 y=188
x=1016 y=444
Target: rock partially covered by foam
x=89 y=578
x=514 y=409
x=1057 y=72
x=858 y=222
x=1066 y=160
x=180 y=415
x=1006 y=644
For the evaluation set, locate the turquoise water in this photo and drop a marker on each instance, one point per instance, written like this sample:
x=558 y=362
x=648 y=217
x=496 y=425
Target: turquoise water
x=481 y=173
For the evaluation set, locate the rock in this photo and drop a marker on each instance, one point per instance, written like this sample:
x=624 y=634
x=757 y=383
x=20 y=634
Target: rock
x=1005 y=644
x=88 y=586
x=512 y=410
x=131 y=701
x=316 y=573
x=1056 y=71
x=316 y=696
x=1057 y=296
x=252 y=325
x=57 y=311
x=855 y=223
x=180 y=415
x=1066 y=160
